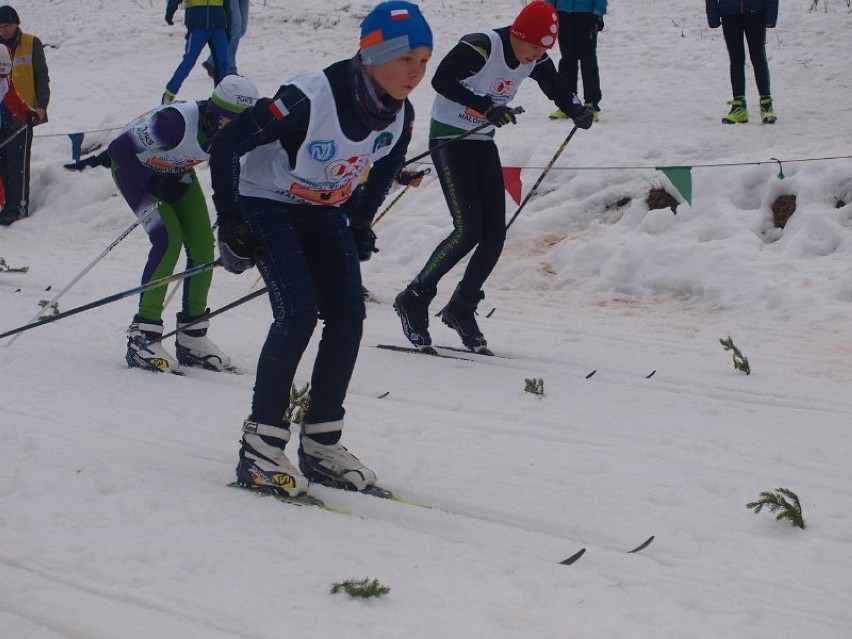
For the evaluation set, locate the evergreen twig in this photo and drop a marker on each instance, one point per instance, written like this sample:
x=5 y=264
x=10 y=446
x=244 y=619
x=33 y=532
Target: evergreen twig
x=5 y=268
x=360 y=588
x=300 y=401
x=783 y=501
x=534 y=386
x=740 y=360
x=50 y=309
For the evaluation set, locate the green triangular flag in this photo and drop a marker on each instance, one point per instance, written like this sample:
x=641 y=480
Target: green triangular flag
x=681 y=178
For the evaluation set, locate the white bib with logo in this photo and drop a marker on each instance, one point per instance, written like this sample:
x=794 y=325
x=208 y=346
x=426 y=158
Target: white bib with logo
x=328 y=164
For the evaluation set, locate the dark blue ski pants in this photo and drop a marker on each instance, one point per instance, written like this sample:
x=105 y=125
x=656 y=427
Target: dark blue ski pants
x=311 y=268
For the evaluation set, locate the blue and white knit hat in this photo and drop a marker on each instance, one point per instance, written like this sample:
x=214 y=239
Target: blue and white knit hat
x=393 y=29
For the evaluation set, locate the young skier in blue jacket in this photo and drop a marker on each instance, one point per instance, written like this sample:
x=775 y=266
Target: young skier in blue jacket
x=282 y=176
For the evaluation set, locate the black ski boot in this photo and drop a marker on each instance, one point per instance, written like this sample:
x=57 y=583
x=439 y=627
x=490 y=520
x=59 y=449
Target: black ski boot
x=412 y=306
x=459 y=315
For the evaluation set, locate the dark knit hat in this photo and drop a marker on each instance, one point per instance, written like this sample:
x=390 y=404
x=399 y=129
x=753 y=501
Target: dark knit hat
x=8 y=15
x=393 y=29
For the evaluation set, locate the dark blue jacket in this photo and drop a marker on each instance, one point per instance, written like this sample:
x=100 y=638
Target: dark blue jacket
x=207 y=14
x=718 y=9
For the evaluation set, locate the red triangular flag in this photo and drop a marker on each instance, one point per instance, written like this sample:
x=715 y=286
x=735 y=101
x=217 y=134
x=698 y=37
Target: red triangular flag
x=512 y=180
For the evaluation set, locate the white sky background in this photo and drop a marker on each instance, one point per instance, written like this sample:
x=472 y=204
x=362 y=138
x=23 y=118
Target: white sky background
x=114 y=516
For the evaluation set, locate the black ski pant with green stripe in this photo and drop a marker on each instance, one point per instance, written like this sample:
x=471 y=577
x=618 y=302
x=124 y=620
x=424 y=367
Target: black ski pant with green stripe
x=471 y=177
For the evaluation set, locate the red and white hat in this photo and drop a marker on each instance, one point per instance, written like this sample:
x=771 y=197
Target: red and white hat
x=537 y=24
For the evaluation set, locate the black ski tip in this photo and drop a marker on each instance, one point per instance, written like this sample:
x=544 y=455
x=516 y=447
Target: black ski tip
x=573 y=558
x=651 y=374
x=383 y=395
x=589 y=376
x=643 y=545
x=491 y=312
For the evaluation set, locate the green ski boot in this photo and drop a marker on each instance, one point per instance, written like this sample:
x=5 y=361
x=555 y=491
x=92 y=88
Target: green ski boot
x=738 y=113
x=767 y=113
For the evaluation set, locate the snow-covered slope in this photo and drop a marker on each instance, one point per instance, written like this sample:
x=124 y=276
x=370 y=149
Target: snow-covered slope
x=115 y=520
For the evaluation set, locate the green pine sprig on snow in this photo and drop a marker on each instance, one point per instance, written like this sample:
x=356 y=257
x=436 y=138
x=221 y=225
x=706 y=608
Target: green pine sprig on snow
x=360 y=588
x=784 y=502
x=740 y=360
x=300 y=401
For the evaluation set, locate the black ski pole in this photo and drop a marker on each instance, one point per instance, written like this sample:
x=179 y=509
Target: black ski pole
x=420 y=174
x=163 y=281
x=204 y=318
x=141 y=220
x=541 y=177
x=462 y=136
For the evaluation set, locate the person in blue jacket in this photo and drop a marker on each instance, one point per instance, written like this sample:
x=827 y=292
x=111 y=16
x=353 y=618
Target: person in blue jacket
x=749 y=20
x=206 y=22
x=579 y=24
x=283 y=174
x=238 y=18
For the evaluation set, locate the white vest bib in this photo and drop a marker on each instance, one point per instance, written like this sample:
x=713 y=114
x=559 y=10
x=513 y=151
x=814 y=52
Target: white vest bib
x=495 y=79
x=187 y=154
x=328 y=164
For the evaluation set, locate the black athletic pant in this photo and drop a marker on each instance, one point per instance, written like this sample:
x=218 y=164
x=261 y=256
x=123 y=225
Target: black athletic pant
x=578 y=44
x=752 y=27
x=312 y=270
x=471 y=178
x=15 y=164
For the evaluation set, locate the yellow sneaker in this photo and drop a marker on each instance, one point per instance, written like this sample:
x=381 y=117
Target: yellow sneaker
x=738 y=113
x=591 y=105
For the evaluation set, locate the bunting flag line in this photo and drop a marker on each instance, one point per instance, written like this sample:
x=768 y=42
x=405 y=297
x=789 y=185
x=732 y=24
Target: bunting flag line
x=512 y=182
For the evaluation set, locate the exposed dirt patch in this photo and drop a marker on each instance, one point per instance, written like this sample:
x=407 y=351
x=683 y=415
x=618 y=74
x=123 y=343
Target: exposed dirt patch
x=659 y=198
x=782 y=208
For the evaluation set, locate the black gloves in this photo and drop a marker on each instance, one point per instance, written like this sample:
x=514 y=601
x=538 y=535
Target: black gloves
x=33 y=118
x=413 y=178
x=364 y=238
x=168 y=188
x=238 y=250
x=500 y=114
x=583 y=116
x=600 y=23
x=170 y=17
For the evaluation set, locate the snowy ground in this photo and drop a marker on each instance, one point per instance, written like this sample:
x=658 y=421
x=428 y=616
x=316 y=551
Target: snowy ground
x=114 y=516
